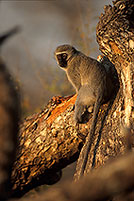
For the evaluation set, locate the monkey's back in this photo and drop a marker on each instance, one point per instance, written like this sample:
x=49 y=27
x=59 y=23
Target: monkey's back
x=91 y=71
x=93 y=75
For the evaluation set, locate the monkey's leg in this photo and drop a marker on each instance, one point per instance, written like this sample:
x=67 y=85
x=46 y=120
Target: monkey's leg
x=84 y=101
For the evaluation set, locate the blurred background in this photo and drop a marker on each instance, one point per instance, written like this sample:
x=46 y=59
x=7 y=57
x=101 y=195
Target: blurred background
x=45 y=24
x=29 y=55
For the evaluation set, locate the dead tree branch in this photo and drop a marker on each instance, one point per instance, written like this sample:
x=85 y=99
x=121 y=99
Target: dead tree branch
x=48 y=142
x=101 y=184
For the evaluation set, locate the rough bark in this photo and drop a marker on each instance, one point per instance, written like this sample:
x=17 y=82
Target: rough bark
x=50 y=140
x=115 y=178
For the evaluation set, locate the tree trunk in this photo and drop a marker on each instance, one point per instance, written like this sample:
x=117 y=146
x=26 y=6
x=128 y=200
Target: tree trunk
x=49 y=140
x=115 y=36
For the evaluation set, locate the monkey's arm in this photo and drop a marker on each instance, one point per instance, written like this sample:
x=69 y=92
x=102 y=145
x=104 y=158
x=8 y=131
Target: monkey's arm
x=75 y=79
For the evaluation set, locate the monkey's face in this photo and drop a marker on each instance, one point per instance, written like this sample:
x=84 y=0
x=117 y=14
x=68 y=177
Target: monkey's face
x=63 y=55
x=61 y=59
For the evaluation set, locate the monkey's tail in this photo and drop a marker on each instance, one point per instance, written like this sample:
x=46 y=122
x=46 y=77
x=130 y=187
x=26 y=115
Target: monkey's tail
x=6 y=35
x=89 y=138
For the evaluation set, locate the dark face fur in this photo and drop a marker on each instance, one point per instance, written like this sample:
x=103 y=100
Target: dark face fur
x=62 y=60
x=63 y=53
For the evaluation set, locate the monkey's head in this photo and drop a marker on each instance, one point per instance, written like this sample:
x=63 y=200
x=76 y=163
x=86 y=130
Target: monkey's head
x=63 y=55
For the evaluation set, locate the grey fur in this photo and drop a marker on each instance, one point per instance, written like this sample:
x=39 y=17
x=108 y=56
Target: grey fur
x=89 y=78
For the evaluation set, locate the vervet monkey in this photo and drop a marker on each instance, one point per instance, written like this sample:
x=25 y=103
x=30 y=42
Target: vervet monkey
x=90 y=80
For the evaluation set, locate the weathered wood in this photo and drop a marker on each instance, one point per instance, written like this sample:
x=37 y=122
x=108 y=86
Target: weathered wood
x=114 y=178
x=48 y=142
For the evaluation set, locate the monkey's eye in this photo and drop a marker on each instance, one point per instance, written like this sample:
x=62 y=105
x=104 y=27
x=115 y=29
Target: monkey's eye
x=64 y=56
